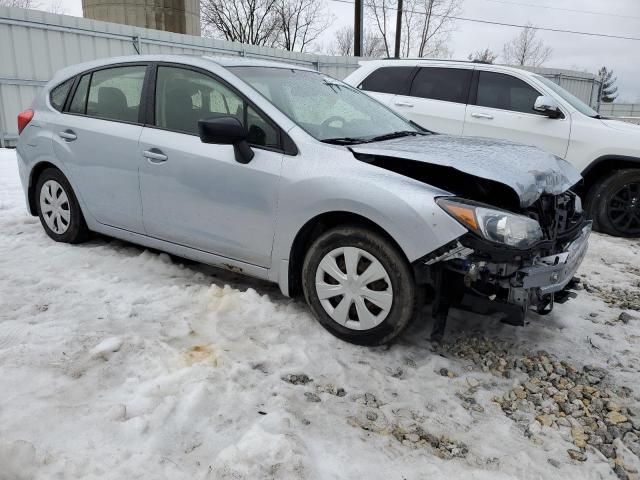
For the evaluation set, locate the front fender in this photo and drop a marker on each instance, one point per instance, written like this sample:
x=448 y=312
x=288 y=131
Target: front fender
x=402 y=207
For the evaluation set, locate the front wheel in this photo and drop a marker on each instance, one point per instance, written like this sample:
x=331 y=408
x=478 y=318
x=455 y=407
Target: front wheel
x=359 y=286
x=614 y=204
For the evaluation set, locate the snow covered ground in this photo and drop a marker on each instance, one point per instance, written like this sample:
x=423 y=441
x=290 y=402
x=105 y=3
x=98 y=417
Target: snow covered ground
x=119 y=362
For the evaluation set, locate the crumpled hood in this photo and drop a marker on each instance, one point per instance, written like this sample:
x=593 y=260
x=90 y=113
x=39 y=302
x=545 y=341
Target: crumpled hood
x=527 y=170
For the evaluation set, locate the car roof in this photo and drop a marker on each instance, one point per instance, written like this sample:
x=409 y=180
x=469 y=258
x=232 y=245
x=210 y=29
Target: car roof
x=192 y=60
x=415 y=62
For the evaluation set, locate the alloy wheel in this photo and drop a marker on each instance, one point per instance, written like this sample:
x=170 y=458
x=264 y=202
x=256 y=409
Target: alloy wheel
x=623 y=209
x=354 y=288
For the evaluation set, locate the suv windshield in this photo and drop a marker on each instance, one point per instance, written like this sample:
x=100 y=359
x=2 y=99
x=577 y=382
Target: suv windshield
x=573 y=101
x=327 y=109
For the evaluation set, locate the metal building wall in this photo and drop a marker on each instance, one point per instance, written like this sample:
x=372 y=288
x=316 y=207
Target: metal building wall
x=581 y=84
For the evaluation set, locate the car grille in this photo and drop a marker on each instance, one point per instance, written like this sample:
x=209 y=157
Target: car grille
x=559 y=216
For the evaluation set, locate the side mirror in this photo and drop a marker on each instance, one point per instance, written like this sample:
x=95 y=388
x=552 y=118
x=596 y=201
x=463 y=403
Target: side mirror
x=548 y=106
x=227 y=130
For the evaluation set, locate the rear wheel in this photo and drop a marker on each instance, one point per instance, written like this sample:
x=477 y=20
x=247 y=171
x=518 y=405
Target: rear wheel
x=614 y=203
x=58 y=208
x=359 y=286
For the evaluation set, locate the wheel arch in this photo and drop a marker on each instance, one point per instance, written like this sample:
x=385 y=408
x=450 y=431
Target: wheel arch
x=602 y=166
x=314 y=228
x=35 y=173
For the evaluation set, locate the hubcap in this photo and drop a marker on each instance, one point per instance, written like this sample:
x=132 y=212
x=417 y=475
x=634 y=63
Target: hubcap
x=624 y=209
x=54 y=205
x=354 y=288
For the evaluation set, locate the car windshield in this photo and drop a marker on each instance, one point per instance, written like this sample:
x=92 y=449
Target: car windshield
x=573 y=101
x=329 y=110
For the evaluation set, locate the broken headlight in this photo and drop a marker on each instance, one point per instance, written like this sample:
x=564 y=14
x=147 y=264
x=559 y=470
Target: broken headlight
x=492 y=224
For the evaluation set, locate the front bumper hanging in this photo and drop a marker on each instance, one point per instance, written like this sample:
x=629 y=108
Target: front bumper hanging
x=489 y=280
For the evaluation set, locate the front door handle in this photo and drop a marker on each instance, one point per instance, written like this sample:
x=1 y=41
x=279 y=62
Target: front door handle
x=155 y=155
x=482 y=115
x=404 y=104
x=68 y=135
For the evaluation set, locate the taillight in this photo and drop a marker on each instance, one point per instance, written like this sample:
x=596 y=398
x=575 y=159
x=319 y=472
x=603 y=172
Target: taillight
x=23 y=119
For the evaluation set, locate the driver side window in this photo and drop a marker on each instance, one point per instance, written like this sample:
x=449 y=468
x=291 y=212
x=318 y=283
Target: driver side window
x=185 y=96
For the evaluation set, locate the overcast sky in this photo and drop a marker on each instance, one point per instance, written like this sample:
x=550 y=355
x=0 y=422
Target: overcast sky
x=576 y=52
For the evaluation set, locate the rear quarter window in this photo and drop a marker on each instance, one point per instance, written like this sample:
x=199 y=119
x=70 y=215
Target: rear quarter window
x=394 y=80
x=58 y=95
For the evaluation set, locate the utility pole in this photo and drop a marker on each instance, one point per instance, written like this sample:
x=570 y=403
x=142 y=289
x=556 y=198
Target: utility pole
x=358 y=28
x=398 y=29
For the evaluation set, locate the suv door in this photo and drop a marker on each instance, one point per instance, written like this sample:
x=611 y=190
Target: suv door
x=437 y=99
x=385 y=83
x=197 y=194
x=96 y=137
x=501 y=106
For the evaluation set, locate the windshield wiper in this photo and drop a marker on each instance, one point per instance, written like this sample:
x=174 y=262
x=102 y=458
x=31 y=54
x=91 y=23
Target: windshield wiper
x=343 y=140
x=392 y=135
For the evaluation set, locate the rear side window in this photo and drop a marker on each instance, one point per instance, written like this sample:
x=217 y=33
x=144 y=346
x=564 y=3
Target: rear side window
x=394 y=80
x=447 y=84
x=59 y=94
x=79 y=100
x=114 y=93
x=498 y=90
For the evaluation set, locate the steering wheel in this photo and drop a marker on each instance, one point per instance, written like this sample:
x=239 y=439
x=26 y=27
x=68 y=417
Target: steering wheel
x=330 y=120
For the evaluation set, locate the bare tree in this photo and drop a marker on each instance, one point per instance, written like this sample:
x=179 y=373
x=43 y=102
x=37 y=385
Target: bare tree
x=436 y=25
x=484 y=56
x=343 y=43
x=426 y=24
x=300 y=22
x=246 y=21
x=373 y=45
x=19 y=3
x=526 y=49
x=57 y=6
x=381 y=12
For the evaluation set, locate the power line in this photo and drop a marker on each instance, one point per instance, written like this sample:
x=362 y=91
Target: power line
x=549 y=7
x=515 y=25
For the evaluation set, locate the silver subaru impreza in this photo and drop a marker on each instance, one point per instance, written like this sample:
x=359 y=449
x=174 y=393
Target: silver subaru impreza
x=289 y=175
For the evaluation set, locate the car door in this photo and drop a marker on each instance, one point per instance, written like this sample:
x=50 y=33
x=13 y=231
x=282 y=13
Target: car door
x=197 y=194
x=501 y=106
x=385 y=83
x=437 y=99
x=97 y=136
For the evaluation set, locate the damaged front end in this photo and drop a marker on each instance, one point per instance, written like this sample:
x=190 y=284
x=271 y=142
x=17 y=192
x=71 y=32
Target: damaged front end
x=509 y=262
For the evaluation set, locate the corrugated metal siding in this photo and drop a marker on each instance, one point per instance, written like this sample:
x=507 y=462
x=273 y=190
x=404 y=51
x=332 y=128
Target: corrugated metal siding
x=581 y=84
x=620 y=109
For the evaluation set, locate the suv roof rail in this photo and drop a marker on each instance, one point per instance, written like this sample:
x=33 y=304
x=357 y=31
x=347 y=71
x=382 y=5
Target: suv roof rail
x=427 y=59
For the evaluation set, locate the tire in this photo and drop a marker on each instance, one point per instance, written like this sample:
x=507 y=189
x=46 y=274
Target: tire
x=67 y=227
x=380 y=322
x=613 y=203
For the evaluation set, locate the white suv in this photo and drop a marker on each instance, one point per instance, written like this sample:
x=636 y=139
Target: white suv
x=475 y=99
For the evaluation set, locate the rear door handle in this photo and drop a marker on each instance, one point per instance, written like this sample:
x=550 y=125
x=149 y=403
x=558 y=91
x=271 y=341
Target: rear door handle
x=482 y=115
x=155 y=155
x=404 y=104
x=68 y=135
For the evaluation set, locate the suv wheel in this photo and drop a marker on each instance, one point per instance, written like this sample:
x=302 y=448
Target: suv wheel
x=58 y=208
x=614 y=203
x=359 y=286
